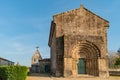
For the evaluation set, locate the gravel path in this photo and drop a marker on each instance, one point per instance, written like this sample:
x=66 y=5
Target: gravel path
x=47 y=77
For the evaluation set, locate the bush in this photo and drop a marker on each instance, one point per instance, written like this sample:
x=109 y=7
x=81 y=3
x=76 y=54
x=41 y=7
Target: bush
x=13 y=72
x=117 y=61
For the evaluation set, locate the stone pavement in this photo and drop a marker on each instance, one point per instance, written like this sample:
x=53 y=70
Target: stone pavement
x=48 y=77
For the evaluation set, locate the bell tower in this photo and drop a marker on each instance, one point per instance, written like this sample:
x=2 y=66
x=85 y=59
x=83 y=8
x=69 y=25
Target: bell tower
x=36 y=57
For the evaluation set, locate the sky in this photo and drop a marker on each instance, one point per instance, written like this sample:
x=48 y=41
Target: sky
x=25 y=24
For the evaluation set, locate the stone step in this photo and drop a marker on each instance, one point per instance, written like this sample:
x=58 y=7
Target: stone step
x=86 y=76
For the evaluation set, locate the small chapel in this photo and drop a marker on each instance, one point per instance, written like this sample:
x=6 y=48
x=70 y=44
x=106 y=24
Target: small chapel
x=35 y=61
x=38 y=64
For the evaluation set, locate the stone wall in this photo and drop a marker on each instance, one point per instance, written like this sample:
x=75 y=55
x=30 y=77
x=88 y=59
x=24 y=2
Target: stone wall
x=114 y=72
x=80 y=22
x=53 y=54
x=44 y=66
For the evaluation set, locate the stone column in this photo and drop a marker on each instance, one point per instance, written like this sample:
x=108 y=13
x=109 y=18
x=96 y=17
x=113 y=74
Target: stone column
x=102 y=67
x=67 y=67
x=74 y=67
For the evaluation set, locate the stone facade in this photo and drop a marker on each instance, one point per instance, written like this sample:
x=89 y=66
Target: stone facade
x=5 y=62
x=78 y=35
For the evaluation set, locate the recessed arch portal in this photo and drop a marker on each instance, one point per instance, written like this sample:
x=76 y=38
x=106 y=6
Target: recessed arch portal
x=90 y=52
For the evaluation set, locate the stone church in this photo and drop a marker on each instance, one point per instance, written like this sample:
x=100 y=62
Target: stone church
x=78 y=44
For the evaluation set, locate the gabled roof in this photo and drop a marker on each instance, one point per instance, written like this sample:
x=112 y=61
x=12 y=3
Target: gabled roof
x=5 y=59
x=82 y=7
x=53 y=24
x=37 y=53
x=95 y=14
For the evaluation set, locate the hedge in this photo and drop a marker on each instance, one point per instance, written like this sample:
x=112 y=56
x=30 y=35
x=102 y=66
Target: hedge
x=13 y=72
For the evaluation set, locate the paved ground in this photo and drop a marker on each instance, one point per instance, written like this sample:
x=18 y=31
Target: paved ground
x=48 y=77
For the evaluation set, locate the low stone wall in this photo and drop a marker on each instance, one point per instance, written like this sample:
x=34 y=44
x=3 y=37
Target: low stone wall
x=114 y=72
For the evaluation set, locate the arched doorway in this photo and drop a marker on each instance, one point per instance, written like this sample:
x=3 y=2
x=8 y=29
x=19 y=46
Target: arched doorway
x=85 y=58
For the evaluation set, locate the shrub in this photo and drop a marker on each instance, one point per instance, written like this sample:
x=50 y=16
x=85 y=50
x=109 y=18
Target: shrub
x=117 y=61
x=13 y=72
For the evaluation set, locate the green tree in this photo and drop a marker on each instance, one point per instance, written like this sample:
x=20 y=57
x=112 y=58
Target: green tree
x=117 y=62
x=118 y=52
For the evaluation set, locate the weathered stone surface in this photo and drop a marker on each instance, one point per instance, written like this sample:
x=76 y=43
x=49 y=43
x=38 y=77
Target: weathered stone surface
x=78 y=34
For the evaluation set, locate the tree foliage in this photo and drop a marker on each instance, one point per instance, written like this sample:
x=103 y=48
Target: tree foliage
x=118 y=50
x=117 y=61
